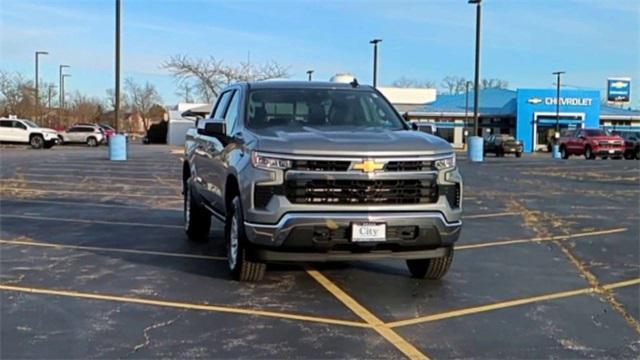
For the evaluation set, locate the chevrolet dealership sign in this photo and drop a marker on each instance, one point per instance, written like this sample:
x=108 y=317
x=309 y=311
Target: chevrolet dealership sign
x=574 y=101
x=618 y=89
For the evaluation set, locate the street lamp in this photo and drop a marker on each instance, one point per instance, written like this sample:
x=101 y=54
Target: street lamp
x=38 y=53
x=117 y=85
x=309 y=72
x=61 y=88
x=557 y=74
x=375 y=60
x=476 y=87
x=62 y=92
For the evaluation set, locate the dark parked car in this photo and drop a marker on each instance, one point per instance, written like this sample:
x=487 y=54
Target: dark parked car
x=503 y=144
x=631 y=144
x=312 y=171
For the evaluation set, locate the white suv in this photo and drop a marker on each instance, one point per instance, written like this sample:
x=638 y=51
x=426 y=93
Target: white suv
x=27 y=132
x=86 y=134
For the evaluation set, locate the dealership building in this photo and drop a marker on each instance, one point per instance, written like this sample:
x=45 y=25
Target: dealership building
x=527 y=114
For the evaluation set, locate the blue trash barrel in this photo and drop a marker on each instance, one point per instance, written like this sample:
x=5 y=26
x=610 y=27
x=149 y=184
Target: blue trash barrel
x=117 y=147
x=555 y=151
x=476 y=148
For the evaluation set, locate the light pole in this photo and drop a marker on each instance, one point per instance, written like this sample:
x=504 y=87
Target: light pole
x=38 y=53
x=117 y=85
x=309 y=72
x=375 y=60
x=62 y=91
x=476 y=85
x=466 y=104
x=557 y=74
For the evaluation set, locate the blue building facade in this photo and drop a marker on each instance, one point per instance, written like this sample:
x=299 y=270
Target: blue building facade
x=536 y=113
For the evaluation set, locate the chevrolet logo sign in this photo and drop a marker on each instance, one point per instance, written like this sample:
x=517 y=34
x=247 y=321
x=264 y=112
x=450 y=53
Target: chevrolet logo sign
x=368 y=166
x=535 y=101
x=619 y=85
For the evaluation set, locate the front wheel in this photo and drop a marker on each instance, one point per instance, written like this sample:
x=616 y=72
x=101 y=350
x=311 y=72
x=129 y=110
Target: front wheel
x=563 y=153
x=36 y=142
x=518 y=154
x=197 y=220
x=637 y=153
x=433 y=269
x=242 y=265
x=588 y=153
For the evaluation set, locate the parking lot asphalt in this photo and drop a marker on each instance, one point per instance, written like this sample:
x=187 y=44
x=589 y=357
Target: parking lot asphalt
x=94 y=263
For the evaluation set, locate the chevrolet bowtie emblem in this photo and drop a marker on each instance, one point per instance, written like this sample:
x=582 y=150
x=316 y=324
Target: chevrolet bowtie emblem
x=368 y=166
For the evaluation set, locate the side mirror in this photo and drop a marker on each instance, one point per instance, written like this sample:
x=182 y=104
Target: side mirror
x=213 y=128
x=190 y=113
x=414 y=126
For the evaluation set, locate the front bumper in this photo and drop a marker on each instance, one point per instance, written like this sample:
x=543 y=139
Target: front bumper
x=326 y=236
x=609 y=151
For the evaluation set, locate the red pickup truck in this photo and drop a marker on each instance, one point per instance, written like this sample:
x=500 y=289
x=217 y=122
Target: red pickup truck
x=591 y=143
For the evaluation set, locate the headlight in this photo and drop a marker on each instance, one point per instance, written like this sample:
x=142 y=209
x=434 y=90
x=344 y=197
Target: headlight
x=265 y=162
x=446 y=163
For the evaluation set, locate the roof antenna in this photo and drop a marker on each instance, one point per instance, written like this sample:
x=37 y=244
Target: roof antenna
x=354 y=83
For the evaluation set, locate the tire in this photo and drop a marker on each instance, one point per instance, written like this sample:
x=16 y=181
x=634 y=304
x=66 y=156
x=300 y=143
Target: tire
x=92 y=142
x=518 y=154
x=433 y=269
x=242 y=265
x=197 y=220
x=563 y=153
x=36 y=142
x=588 y=153
x=637 y=153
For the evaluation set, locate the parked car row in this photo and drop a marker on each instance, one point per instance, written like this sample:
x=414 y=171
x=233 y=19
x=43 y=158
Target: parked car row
x=23 y=131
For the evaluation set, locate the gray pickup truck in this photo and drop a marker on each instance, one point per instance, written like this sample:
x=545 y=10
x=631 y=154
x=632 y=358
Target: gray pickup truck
x=314 y=171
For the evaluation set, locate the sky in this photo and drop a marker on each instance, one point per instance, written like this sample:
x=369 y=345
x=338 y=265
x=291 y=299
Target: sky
x=523 y=41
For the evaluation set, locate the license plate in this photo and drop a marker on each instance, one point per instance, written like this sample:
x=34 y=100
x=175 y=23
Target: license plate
x=611 y=151
x=367 y=232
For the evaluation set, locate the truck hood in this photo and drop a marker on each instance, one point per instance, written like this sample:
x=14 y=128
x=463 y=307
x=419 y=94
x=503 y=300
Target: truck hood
x=350 y=142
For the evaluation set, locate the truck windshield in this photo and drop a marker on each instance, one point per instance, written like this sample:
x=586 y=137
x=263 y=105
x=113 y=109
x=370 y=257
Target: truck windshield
x=596 y=132
x=325 y=109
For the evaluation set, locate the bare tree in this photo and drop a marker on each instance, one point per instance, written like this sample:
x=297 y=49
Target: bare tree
x=493 y=84
x=450 y=84
x=84 y=108
x=404 y=82
x=16 y=95
x=185 y=91
x=143 y=98
x=211 y=75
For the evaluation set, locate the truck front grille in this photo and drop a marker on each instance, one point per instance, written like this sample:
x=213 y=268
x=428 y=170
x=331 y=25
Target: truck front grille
x=320 y=165
x=399 y=166
x=319 y=191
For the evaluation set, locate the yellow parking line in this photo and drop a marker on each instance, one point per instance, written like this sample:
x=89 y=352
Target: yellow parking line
x=98 y=184
x=110 y=194
x=540 y=239
x=47 y=175
x=85 y=221
x=507 y=304
x=89 y=204
x=378 y=325
x=108 y=249
x=482 y=216
x=183 y=305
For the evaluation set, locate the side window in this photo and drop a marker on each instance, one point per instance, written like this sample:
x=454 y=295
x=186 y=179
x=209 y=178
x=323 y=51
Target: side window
x=232 y=113
x=19 y=125
x=221 y=106
x=73 y=130
x=6 y=123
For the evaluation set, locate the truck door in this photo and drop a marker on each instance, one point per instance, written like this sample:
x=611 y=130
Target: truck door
x=207 y=151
